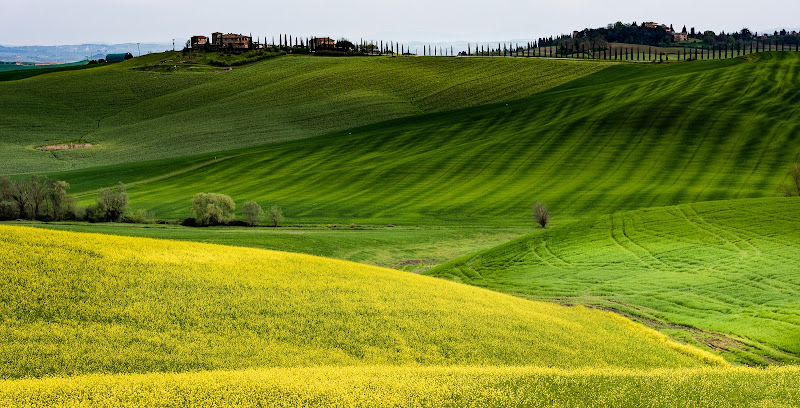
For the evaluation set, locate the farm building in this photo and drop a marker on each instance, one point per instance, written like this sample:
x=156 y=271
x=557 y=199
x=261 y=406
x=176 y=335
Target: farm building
x=118 y=57
x=234 y=41
x=199 y=41
x=323 y=42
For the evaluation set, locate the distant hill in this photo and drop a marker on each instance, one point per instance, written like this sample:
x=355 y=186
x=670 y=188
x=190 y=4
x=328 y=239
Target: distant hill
x=72 y=53
x=132 y=113
x=627 y=137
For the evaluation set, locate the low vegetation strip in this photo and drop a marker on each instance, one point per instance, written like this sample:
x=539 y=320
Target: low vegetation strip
x=409 y=249
x=136 y=115
x=391 y=386
x=87 y=303
x=720 y=274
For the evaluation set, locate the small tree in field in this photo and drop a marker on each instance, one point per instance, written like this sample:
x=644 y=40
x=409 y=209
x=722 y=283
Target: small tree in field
x=212 y=209
x=253 y=214
x=541 y=214
x=275 y=215
x=787 y=189
x=112 y=203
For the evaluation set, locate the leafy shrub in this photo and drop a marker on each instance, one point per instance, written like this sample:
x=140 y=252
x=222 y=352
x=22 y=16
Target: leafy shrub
x=9 y=210
x=275 y=215
x=112 y=203
x=141 y=216
x=253 y=213
x=792 y=188
x=212 y=208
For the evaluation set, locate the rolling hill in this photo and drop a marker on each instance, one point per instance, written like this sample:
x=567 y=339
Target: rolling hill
x=630 y=136
x=131 y=113
x=723 y=274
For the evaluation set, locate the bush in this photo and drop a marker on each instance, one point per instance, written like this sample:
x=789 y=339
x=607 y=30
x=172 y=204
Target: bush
x=275 y=215
x=793 y=188
x=80 y=214
x=112 y=203
x=541 y=214
x=141 y=216
x=212 y=209
x=253 y=213
x=92 y=215
x=9 y=210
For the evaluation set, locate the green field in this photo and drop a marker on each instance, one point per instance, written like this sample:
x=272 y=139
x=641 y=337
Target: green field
x=412 y=249
x=132 y=114
x=720 y=274
x=627 y=137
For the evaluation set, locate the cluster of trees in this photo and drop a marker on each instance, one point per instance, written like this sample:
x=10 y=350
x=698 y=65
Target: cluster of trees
x=635 y=33
x=627 y=33
x=35 y=198
x=218 y=209
x=44 y=199
x=744 y=36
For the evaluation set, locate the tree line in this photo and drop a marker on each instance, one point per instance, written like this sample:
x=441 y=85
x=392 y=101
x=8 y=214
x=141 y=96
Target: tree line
x=218 y=209
x=635 y=33
x=44 y=199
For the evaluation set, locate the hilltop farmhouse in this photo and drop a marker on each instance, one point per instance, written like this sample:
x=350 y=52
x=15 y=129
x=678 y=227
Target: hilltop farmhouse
x=222 y=41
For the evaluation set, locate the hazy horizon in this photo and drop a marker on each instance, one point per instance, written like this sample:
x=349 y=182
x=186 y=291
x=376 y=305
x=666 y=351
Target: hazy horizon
x=51 y=22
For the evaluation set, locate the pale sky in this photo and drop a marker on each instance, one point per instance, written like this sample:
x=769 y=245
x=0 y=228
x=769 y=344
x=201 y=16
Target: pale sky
x=59 y=22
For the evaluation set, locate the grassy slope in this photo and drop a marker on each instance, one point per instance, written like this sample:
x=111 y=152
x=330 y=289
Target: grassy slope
x=133 y=115
x=630 y=136
x=87 y=303
x=726 y=267
x=418 y=386
x=410 y=249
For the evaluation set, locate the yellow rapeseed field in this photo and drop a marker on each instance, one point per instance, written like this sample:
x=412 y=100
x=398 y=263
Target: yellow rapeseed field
x=393 y=386
x=96 y=320
x=76 y=303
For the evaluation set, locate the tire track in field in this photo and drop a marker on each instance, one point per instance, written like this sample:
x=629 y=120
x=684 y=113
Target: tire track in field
x=552 y=254
x=534 y=248
x=620 y=244
x=709 y=229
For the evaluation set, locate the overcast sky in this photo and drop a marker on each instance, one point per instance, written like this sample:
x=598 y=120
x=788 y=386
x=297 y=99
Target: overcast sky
x=58 y=22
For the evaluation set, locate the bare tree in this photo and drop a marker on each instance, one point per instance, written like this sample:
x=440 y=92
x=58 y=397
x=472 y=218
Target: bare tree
x=37 y=192
x=19 y=193
x=541 y=214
